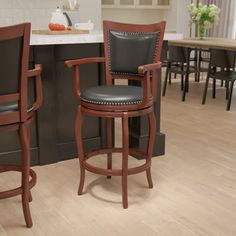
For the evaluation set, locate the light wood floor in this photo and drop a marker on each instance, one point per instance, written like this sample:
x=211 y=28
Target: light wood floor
x=194 y=183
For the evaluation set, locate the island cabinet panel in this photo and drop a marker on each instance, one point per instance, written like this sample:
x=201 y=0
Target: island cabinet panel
x=67 y=103
x=58 y=112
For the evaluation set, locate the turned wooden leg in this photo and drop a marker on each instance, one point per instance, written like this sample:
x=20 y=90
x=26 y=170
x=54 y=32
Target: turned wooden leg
x=109 y=144
x=125 y=153
x=152 y=131
x=25 y=150
x=80 y=150
x=28 y=136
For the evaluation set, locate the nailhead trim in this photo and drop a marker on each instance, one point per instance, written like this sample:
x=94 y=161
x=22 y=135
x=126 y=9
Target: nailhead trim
x=111 y=103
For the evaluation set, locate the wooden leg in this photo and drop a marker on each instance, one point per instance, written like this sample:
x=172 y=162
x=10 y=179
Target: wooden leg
x=214 y=89
x=185 y=87
x=165 y=81
x=80 y=150
x=170 y=78
x=230 y=95
x=25 y=147
x=227 y=89
x=125 y=153
x=152 y=131
x=222 y=83
x=109 y=144
x=182 y=77
x=205 y=90
x=30 y=195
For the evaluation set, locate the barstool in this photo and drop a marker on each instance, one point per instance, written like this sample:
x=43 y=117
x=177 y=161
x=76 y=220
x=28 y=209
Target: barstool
x=132 y=52
x=16 y=110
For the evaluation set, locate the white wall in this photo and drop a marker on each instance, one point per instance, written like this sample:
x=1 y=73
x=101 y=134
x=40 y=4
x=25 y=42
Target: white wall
x=177 y=17
x=91 y=10
x=38 y=12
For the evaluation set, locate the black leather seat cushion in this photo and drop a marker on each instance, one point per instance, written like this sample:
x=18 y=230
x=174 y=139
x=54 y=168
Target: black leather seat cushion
x=7 y=107
x=129 y=50
x=223 y=75
x=113 y=95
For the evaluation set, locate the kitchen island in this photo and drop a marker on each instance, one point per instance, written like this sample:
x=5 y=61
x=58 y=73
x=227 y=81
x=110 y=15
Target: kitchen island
x=52 y=134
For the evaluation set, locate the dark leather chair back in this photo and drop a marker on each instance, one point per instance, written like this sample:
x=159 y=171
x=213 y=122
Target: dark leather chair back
x=10 y=65
x=128 y=47
x=222 y=58
x=14 y=59
x=177 y=54
x=129 y=50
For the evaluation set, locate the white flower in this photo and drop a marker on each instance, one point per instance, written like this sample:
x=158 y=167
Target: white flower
x=206 y=14
x=207 y=24
x=212 y=14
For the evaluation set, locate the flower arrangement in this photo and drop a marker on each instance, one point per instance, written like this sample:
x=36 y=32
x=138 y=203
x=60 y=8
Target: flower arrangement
x=204 y=16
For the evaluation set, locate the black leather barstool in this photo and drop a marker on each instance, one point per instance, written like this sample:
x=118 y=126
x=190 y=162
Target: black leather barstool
x=131 y=52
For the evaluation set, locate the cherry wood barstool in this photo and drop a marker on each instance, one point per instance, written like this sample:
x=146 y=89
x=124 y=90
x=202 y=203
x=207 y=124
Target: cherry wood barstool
x=16 y=110
x=132 y=52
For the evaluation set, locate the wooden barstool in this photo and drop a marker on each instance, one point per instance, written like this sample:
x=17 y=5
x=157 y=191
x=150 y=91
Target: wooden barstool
x=16 y=111
x=132 y=52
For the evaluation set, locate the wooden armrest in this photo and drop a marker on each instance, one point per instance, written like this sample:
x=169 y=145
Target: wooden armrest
x=36 y=72
x=78 y=62
x=149 y=67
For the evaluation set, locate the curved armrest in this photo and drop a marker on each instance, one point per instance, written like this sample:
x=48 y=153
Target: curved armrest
x=154 y=76
x=75 y=64
x=149 y=67
x=36 y=72
x=78 y=62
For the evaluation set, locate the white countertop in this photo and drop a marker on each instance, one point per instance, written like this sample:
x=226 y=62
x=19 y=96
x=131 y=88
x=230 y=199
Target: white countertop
x=93 y=37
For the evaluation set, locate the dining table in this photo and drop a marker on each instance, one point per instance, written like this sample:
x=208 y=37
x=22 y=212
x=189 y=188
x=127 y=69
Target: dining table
x=205 y=43
x=197 y=45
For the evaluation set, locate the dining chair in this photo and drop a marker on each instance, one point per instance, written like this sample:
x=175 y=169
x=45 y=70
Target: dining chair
x=221 y=67
x=16 y=109
x=132 y=52
x=179 y=63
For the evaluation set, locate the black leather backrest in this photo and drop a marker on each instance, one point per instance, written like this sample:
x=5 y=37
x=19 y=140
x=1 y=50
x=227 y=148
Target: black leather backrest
x=222 y=58
x=10 y=64
x=129 y=50
x=177 y=54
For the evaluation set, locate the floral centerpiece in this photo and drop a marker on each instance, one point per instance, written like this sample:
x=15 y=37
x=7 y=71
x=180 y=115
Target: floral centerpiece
x=204 y=16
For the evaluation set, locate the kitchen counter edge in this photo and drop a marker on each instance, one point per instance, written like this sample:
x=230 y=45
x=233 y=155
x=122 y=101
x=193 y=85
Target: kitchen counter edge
x=93 y=37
